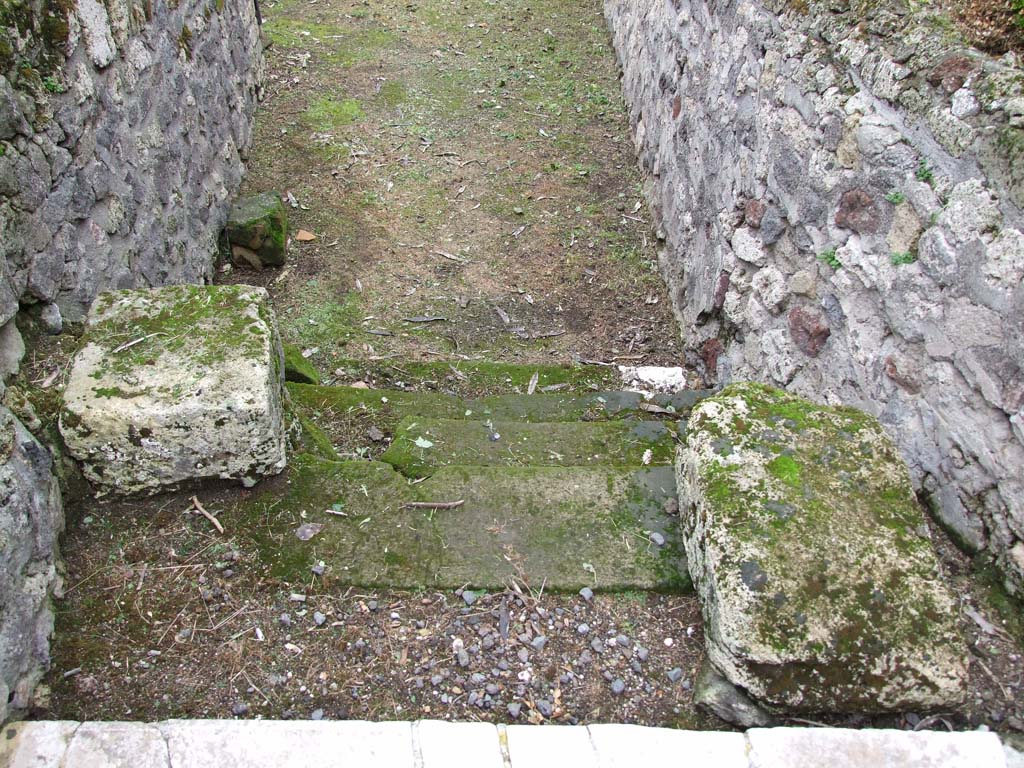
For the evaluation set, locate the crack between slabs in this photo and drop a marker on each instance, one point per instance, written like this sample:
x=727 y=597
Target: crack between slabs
x=506 y=757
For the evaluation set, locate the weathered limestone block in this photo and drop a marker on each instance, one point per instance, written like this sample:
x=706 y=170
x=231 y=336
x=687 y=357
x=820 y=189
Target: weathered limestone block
x=31 y=518
x=258 y=231
x=816 y=573
x=176 y=384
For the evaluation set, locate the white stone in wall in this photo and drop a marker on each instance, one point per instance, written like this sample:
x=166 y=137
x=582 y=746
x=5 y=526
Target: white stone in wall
x=99 y=39
x=176 y=384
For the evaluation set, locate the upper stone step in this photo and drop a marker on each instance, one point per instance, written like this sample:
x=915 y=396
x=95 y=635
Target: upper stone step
x=590 y=406
x=562 y=527
x=423 y=445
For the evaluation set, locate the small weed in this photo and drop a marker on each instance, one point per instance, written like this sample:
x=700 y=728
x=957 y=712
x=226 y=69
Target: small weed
x=896 y=197
x=829 y=257
x=902 y=257
x=53 y=85
x=924 y=172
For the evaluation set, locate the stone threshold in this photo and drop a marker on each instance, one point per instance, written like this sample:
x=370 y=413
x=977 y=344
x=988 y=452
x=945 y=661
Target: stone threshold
x=436 y=744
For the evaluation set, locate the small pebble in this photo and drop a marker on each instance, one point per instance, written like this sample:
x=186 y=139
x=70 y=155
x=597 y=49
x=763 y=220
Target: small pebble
x=469 y=597
x=239 y=708
x=523 y=654
x=544 y=707
x=463 y=657
x=587 y=594
x=642 y=653
x=492 y=689
x=597 y=645
x=618 y=686
x=318 y=569
x=285 y=620
x=372 y=605
x=675 y=675
x=583 y=629
x=514 y=709
x=318 y=618
x=539 y=642
x=622 y=641
x=658 y=539
x=317 y=714
x=436 y=680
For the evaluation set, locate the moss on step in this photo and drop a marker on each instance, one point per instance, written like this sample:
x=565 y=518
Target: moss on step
x=297 y=368
x=347 y=414
x=562 y=527
x=478 y=377
x=423 y=445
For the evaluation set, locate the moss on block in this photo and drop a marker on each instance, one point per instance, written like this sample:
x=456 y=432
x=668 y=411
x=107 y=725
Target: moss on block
x=258 y=230
x=176 y=384
x=819 y=583
x=423 y=445
x=297 y=368
x=562 y=527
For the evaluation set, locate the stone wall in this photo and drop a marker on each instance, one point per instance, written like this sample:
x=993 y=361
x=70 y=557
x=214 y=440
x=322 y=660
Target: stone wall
x=31 y=518
x=123 y=125
x=122 y=129
x=839 y=187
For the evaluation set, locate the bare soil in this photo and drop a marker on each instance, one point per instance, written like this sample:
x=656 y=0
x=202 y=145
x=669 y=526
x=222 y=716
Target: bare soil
x=464 y=161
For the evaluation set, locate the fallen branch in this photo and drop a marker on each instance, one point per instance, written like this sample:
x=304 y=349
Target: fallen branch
x=207 y=515
x=450 y=256
x=426 y=319
x=434 y=504
x=131 y=344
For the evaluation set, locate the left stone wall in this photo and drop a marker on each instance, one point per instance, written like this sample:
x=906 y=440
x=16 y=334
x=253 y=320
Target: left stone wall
x=123 y=126
x=123 y=129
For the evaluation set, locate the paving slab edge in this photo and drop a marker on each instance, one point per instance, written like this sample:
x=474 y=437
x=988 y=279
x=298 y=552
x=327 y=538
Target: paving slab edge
x=434 y=743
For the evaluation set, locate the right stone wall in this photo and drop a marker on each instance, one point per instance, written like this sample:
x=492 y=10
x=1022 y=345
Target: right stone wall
x=840 y=188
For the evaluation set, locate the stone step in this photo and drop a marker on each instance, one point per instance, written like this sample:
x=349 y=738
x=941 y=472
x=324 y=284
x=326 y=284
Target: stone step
x=609 y=528
x=588 y=406
x=477 y=377
x=436 y=744
x=422 y=446
x=342 y=419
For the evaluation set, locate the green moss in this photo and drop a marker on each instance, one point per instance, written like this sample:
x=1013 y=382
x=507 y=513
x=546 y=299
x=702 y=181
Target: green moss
x=393 y=93
x=185 y=41
x=786 y=469
x=297 y=368
x=173 y=321
x=328 y=113
x=422 y=445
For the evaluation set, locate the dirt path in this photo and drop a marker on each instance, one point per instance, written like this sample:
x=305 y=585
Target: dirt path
x=462 y=160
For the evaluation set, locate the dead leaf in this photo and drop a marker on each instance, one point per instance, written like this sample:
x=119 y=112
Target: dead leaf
x=304 y=236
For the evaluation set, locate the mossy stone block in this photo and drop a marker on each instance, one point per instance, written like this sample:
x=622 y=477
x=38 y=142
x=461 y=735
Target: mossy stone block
x=174 y=385
x=258 y=230
x=820 y=587
x=297 y=368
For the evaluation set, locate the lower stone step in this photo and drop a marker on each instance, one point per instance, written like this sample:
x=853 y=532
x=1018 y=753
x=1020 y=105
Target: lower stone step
x=560 y=528
x=423 y=445
x=435 y=744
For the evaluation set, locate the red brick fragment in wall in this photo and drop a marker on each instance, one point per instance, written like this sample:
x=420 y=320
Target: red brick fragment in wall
x=809 y=330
